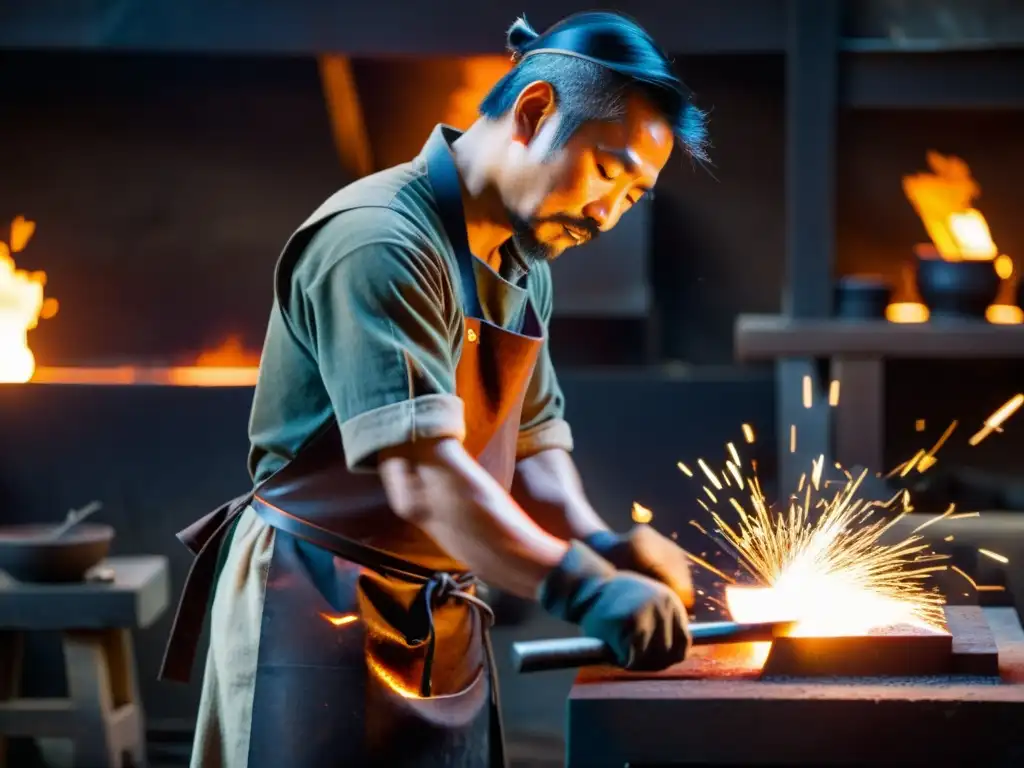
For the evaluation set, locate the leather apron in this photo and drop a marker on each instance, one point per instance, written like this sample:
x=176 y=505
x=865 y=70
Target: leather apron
x=374 y=649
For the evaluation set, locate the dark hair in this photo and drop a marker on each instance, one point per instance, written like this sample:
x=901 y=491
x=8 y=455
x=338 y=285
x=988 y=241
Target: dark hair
x=592 y=61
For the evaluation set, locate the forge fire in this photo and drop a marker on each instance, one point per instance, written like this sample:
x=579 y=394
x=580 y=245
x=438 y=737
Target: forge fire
x=23 y=304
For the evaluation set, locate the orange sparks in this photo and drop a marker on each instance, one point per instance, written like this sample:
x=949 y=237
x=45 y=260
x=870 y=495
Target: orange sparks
x=994 y=422
x=808 y=394
x=732 y=453
x=963 y=515
x=975 y=585
x=710 y=475
x=341 y=621
x=936 y=519
x=833 y=393
x=994 y=555
x=792 y=438
x=684 y=469
x=641 y=514
x=748 y=433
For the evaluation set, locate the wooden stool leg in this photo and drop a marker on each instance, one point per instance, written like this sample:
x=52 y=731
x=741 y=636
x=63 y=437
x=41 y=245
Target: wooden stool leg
x=12 y=646
x=101 y=684
x=125 y=689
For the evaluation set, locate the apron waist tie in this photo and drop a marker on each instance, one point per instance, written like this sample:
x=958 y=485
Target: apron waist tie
x=439 y=589
x=204 y=539
x=446 y=586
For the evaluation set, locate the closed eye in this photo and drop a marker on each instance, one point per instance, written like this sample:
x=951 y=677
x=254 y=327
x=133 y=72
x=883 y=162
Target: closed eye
x=604 y=172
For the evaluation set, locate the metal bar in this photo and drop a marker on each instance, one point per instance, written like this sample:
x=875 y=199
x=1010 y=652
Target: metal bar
x=572 y=652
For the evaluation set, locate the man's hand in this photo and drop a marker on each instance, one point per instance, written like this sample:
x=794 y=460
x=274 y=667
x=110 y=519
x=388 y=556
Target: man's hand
x=642 y=621
x=645 y=551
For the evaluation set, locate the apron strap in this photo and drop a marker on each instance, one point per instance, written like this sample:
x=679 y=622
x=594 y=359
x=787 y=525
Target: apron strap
x=444 y=179
x=204 y=539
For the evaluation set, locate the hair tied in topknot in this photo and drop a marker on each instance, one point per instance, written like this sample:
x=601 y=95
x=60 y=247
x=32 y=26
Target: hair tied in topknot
x=520 y=35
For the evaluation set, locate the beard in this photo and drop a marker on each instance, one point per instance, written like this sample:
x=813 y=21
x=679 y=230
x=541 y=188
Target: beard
x=532 y=249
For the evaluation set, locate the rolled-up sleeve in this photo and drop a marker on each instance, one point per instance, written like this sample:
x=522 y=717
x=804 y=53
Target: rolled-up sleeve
x=543 y=425
x=381 y=338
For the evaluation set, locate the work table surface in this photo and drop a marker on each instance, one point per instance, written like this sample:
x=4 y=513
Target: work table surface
x=710 y=712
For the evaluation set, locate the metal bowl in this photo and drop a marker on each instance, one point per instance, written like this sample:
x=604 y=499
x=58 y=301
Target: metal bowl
x=28 y=553
x=862 y=297
x=957 y=290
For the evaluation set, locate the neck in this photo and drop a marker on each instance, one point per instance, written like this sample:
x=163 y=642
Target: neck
x=487 y=224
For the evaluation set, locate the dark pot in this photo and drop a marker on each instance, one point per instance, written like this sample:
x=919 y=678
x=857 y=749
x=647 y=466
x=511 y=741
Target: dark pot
x=957 y=290
x=28 y=554
x=862 y=297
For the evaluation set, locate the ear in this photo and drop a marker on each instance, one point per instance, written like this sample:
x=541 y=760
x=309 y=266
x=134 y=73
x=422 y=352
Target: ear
x=536 y=103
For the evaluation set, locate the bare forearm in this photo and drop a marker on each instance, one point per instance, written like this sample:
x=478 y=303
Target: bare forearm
x=441 y=489
x=548 y=487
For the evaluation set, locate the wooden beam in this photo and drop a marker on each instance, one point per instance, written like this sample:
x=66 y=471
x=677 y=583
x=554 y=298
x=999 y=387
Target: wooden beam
x=378 y=28
x=811 y=101
x=811 y=97
x=346 y=112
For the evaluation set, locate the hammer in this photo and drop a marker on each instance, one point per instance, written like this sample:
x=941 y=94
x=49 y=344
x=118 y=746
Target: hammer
x=572 y=652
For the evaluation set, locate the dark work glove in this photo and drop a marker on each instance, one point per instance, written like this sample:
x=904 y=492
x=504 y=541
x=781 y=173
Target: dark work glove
x=641 y=620
x=645 y=551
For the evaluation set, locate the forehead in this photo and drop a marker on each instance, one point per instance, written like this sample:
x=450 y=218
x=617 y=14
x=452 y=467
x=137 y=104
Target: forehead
x=641 y=135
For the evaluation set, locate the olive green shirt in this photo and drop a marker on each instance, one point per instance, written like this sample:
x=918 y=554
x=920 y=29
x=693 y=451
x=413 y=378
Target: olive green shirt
x=376 y=328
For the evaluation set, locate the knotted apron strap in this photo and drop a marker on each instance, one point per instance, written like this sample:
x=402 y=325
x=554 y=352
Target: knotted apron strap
x=445 y=586
x=204 y=539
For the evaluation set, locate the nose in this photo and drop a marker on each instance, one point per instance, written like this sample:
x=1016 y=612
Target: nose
x=604 y=211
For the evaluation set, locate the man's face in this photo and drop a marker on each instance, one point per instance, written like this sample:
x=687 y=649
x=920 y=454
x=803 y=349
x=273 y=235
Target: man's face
x=569 y=196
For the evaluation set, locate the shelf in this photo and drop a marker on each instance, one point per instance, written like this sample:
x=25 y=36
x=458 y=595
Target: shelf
x=949 y=78
x=768 y=337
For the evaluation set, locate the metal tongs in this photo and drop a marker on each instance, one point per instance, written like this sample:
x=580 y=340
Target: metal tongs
x=573 y=652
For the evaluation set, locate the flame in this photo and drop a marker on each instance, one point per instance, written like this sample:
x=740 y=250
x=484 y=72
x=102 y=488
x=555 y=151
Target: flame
x=907 y=312
x=22 y=304
x=230 y=353
x=943 y=199
x=229 y=364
